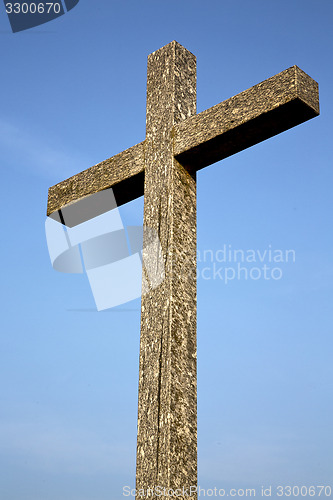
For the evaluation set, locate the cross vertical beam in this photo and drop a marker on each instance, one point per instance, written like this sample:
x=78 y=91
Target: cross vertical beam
x=167 y=416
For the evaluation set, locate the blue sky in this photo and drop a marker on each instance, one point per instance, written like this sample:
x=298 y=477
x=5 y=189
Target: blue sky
x=73 y=94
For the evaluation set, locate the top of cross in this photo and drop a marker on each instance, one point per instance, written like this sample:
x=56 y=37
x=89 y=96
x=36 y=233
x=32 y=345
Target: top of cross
x=264 y=110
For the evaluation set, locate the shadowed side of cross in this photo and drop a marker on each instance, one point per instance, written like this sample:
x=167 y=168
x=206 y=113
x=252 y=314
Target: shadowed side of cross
x=163 y=168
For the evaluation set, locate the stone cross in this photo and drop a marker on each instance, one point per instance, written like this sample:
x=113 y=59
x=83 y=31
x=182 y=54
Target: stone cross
x=163 y=168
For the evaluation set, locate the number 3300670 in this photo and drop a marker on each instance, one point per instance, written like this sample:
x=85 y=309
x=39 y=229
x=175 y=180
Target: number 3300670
x=33 y=8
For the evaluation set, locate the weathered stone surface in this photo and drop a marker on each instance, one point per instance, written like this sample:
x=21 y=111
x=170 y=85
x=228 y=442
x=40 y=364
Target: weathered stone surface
x=273 y=106
x=123 y=172
x=167 y=432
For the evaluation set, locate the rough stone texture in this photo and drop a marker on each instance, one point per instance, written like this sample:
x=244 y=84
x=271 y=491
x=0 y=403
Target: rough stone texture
x=167 y=423
x=178 y=142
x=123 y=172
x=273 y=106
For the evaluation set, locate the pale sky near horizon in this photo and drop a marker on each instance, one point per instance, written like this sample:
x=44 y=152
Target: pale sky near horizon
x=73 y=94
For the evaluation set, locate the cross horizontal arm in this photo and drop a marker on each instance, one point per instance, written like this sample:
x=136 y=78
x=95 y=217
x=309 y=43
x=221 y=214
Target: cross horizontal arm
x=273 y=106
x=123 y=172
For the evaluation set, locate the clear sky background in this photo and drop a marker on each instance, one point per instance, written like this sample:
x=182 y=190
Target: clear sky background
x=73 y=93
